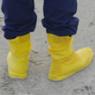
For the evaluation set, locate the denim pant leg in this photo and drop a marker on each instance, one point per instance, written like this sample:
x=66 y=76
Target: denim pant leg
x=59 y=17
x=19 y=17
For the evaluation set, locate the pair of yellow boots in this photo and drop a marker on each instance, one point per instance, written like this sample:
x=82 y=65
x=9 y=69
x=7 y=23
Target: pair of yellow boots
x=65 y=61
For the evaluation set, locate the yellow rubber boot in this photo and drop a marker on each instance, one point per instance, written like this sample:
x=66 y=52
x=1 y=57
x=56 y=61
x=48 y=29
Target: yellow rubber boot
x=18 y=57
x=65 y=61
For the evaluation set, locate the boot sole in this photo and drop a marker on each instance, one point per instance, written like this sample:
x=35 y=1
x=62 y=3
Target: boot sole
x=16 y=76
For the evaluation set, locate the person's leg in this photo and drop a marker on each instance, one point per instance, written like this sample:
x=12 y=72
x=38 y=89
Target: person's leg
x=61 y=25
x=59 y=17
x=20 y=19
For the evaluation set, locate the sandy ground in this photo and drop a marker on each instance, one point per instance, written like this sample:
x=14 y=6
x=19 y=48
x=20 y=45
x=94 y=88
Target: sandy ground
x=37 y=83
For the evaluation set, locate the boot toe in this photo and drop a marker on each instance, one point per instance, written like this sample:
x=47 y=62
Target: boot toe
x=86 y=55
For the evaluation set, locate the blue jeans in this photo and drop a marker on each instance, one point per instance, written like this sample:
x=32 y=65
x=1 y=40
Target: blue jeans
x=20 y=17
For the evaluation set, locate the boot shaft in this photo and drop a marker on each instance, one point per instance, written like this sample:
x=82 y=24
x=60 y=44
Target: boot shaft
x=60 y=46
x=20 y=46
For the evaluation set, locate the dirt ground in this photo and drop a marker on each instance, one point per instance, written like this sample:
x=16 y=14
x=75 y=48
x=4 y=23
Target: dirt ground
x=37 y=83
